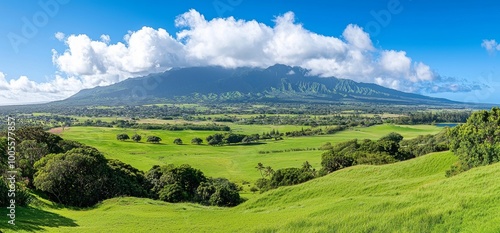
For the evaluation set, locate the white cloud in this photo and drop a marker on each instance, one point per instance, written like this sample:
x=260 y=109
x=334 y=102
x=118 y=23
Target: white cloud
x=105 y=38
x=23 y=90
x=59 y=36
x=491 y=45
x=227 y=42
x=395 y=62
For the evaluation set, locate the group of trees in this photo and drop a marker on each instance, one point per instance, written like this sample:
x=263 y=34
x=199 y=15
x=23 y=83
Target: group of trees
x=316 y=131
x=82 y=177
x=138 y=138
x=427 y=117
x=477 y=142
x=311 y=120
x=272 y=179
x=186 y=184
x=73 y=174
x=219 y=139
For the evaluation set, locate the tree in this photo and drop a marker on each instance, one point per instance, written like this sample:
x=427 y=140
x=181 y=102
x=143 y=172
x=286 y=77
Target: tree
x=122 y=137
x=268 y=171
x=124 y=180
x=215 y=139
x=218 y=192
x=306 y=166
x=136 y=138
x=154 y=139
x=40 y=136
x=260 y=167
x=214 y=142
x=196 y=141
x=178 y=141
x=75 y=178
x=29 y=152
x=179 y=183
x=173 y=193
x=395 y=137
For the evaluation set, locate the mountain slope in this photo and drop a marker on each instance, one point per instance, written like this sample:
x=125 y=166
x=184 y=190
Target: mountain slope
x=278 y=83
x=409 y=196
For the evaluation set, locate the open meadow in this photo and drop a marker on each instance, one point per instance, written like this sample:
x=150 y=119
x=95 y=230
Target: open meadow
x=236 y=162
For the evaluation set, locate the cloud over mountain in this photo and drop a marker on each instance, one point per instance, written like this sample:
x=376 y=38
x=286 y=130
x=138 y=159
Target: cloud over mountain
x=230 y=42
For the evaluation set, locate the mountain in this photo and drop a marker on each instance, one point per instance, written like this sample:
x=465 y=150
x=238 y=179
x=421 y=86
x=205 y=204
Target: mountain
x=278 y=83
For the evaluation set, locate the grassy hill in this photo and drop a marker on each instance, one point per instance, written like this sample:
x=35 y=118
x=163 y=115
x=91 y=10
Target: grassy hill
x=410 y=196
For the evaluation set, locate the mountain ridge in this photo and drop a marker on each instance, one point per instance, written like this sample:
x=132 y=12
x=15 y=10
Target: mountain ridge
x=277 y=83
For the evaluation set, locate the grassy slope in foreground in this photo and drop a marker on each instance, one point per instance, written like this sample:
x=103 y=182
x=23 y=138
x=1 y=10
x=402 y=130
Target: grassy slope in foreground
x=410 y=196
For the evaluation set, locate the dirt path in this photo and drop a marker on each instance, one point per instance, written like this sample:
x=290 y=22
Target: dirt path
x=58 y=130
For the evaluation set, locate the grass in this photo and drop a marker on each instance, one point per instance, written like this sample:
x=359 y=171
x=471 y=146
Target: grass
x=410 y=196
x=236 y=162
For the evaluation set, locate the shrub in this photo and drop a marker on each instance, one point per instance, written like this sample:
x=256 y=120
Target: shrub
x=154 y=139
x=136 y=138
x=122 y=137
x=178 y=141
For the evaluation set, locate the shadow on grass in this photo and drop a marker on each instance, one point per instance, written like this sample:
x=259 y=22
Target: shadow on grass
x=247 y=144
x=34 y=220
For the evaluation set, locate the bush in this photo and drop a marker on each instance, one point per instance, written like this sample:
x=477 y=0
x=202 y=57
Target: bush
x=289 y=176
x=218 y=192
x=196 y=141
x=136 y=138
x=332 y=162
x=178 y=141
x=185 y=177
x=154 y=139
x=122 y=137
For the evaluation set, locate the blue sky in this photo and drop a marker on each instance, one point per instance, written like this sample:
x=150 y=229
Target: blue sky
x=445 y=37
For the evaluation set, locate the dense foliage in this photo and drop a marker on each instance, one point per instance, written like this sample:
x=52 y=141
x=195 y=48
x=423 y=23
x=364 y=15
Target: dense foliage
x=477 y=142
x=76 y=178
x=187 y=184
x=284 y=177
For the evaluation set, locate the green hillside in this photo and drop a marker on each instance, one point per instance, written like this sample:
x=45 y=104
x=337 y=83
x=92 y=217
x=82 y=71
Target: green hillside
x=410 y=196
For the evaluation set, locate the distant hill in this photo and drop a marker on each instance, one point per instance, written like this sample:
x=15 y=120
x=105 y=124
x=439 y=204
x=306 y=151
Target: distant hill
x=278 y=83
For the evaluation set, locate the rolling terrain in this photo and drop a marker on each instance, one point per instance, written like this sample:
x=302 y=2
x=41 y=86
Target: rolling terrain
x=236 y=162
x=410 y=196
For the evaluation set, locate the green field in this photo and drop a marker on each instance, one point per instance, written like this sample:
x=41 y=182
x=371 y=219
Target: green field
x=410 y=196
x=236 y=162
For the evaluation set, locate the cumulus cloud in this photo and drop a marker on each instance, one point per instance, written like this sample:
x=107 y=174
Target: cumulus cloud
x=491 y=45
x=231 y=42
x=22 y=90
x=59 y=36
